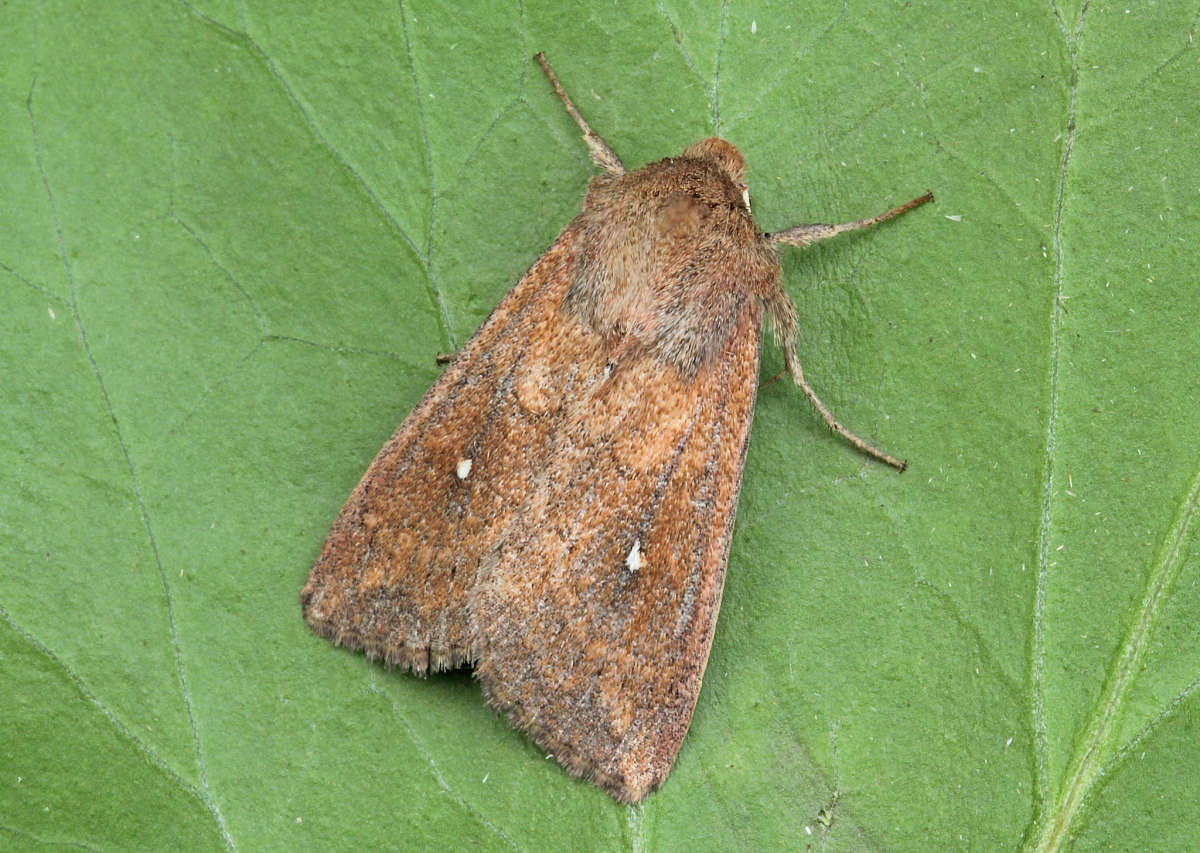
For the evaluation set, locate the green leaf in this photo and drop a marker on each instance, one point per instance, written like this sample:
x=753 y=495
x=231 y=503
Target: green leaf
x=234 y=236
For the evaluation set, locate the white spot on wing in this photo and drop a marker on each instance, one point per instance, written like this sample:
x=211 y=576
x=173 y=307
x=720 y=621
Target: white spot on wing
x=634 y=561
x=463 y=469
x=746 y=197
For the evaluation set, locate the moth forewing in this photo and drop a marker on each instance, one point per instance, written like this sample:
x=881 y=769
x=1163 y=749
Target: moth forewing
x=602 y=663
x=396 y=574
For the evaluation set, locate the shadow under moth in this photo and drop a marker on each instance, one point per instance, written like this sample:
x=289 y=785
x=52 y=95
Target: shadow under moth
x=557 y=510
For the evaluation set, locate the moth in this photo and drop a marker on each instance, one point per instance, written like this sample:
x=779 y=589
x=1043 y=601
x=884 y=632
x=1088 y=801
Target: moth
x=557 y=510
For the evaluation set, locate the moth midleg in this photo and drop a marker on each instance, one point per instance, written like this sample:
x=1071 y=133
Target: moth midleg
x=601 y=152
x=792 y=360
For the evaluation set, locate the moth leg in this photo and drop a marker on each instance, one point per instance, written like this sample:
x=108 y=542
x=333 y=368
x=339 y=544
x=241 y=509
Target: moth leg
x=806 y=235
x=792 y=360
x=601 y=152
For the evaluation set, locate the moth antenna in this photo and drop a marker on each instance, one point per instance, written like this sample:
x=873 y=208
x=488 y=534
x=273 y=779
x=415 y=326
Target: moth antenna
x=806 y=235
x=601 y=152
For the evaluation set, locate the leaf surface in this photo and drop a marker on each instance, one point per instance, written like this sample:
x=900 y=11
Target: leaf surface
x=234 y=236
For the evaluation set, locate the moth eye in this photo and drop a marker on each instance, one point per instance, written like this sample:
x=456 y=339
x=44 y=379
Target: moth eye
x=746 y=197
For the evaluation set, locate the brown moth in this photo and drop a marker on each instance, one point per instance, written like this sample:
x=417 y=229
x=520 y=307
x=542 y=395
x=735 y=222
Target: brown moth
x=557 y=510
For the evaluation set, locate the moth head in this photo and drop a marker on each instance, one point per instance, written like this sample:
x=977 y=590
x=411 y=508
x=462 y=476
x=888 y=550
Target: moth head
x=725 y=156
x=722 y=153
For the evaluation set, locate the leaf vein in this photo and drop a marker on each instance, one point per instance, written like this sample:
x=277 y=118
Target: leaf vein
x=135 y=486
